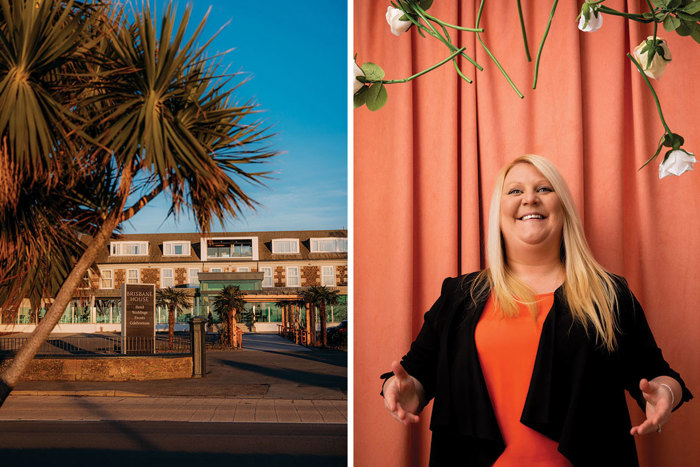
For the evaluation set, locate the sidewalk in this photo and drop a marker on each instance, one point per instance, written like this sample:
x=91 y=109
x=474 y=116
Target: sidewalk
x=270 y=379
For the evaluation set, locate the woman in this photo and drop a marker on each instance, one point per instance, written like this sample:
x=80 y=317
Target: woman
x=528 y=360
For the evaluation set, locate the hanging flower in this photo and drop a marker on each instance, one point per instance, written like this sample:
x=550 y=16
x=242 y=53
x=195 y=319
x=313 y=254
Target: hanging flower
x=356 y=84
x=653 y=57
x=590 y=19
x=676 y=162
x=393 y=17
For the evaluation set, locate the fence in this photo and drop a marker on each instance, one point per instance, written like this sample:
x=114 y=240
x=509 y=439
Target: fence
x=100 y=344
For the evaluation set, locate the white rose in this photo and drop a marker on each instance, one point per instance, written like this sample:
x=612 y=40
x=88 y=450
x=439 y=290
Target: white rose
x=658 y=63
x=397 y=26
x=357 y=85
x=677 y=162
x=592 y=21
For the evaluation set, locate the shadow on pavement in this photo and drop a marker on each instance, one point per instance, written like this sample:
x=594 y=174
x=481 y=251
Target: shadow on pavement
x=295 y=376
x=108 y=458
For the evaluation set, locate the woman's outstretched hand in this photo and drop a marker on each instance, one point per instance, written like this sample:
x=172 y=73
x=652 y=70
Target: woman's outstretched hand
x=658 y=410
x=402 y=395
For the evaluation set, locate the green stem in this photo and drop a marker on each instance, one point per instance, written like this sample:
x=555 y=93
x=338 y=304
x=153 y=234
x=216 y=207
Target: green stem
x=522 y=26
x=420 y=73
x=459 y=72
x=633 y=16
x=653 y=93
x=442 y=23
x=478 y=36
x=539 y=51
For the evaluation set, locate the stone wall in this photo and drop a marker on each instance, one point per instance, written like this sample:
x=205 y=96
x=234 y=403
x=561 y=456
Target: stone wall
x=279 y=276
x=341 y=276
x=107 y=368
x=310 y=275
x=180 y=276
x=150 y=276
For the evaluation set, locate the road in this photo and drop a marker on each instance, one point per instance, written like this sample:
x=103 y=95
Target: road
x=134 y=443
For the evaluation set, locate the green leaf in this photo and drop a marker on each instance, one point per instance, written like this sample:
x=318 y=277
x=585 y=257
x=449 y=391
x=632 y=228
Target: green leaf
x=372 y=71
x=684 y=29
x=360 y=97
x=687 y=17
x=695 y=34
x=376 y=96
x=659 y=3
x=692 y=8
x=404 y=17
x=647 y=14
x=425 y=4
x=674 y=4
x=671 y=23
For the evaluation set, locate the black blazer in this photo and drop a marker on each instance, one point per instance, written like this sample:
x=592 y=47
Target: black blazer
x=576 y=394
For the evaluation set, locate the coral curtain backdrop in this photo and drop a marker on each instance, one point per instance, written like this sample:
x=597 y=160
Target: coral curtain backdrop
x=424 y=170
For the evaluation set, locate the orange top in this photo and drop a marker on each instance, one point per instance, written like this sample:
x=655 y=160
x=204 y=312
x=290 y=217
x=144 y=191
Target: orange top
x=507 y=349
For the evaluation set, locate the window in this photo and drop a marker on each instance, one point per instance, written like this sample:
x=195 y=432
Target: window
x=328 y=275
x=176 y=248
x=243 y=270
x=129 y=248
x=285 y=245
x=215 y=269
x=106 y=281
x=230 y=248
x=166 y=278
x=267 y=277
x=293 y=277
x=132 y=276
x=329 y=245
x=194 y=277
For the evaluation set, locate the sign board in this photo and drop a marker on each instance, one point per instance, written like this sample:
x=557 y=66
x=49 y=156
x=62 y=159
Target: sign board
x=138 y=318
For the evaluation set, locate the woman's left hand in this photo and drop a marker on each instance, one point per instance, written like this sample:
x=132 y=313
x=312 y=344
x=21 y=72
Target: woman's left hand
x=658 y=410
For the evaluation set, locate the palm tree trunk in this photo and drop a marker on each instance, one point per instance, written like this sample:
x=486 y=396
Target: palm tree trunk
x=324 y=339
x=171 y=327
x=309 y=334
x=231 y=330
x=10 y=376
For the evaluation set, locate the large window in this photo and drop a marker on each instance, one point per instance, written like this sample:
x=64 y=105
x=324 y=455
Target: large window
x=329 y=245
x=267 y=277
x=176 y=248
x=328 y=275
x=129 y=248
x=230 y=248
x=194 y=277
x=166 y=278
x=285 y=245
x=293 y=277
x=106 y=280
x=132 y=276
x=244 y=269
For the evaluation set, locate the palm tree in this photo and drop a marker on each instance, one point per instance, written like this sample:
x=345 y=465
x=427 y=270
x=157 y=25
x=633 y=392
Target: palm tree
x=94 y=108
x=321 y=295
x=227 y=304
x=173 y=300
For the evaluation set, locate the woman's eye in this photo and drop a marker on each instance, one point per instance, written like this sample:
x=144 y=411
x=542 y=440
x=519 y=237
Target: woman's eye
x=514 y=191
x=545 y=189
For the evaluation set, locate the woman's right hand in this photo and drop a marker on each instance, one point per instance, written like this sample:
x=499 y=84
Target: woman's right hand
x=402 y=395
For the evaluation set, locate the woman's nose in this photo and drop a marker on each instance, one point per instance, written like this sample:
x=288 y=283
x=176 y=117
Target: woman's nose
x=530 y=198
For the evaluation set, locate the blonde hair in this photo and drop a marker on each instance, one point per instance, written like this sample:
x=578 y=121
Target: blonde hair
x=588 y=287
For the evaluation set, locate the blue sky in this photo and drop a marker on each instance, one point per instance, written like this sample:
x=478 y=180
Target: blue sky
x=295 y=56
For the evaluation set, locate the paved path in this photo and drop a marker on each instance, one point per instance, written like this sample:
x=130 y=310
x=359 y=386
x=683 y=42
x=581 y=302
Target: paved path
x=175 y=409
x=269 y=380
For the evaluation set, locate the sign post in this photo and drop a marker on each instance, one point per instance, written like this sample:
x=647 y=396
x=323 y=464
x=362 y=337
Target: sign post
x=138 y=318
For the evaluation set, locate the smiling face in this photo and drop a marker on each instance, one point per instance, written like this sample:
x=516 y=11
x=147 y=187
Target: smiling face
x=531 y=214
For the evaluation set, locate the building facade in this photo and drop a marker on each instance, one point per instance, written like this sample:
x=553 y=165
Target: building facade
x=271 y=268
